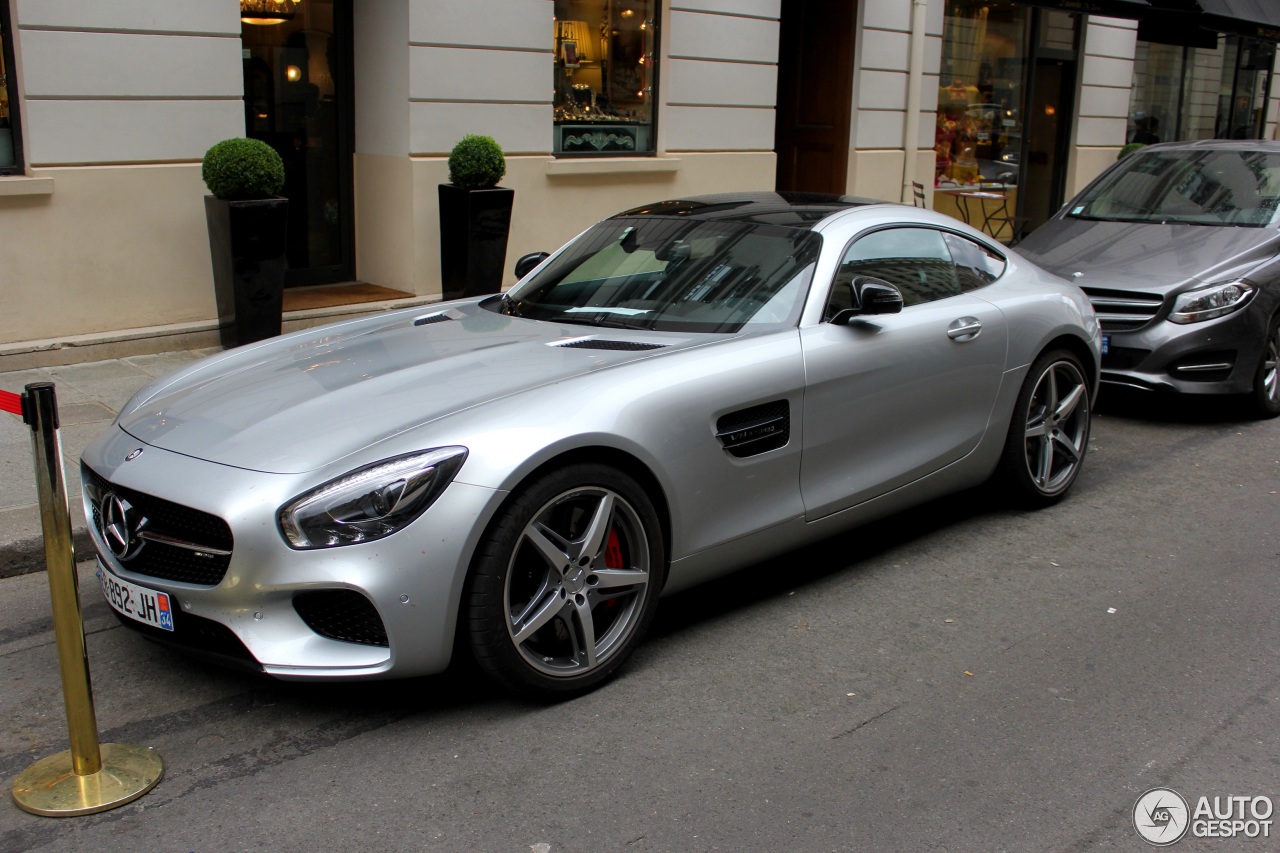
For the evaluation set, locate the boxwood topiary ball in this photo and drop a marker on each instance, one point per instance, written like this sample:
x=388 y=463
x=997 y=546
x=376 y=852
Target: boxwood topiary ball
x=242 y=169
x=1128 y=149
x=476 y=162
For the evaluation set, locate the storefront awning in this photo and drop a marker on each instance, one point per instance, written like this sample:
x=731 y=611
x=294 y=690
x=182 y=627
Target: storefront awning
x=1133 y=9
x=1255 y=18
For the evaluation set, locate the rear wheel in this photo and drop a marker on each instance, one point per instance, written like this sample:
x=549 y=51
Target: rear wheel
x=1049 y=434
x=1266 y=383
x=565 y=582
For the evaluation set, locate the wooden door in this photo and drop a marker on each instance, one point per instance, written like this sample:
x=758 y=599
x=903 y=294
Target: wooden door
x=815 y=86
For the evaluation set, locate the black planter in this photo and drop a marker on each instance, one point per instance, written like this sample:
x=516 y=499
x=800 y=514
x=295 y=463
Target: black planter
x=247 y=242
x=474 y=225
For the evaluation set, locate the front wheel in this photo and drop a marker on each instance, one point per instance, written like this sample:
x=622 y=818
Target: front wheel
x=1049 y=434
x=1266 y=382
x=565 y=582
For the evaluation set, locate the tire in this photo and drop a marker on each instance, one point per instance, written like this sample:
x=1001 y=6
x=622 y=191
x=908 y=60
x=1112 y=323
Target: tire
x=565 y=582
x=1265 y=397
x=1049 y=434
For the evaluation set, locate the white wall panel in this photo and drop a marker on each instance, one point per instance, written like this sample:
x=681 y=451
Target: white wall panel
x=1110 y=41
x=882 y=90
x=125 y=65
x=1097 y=101
x=1107 y=71
x=173 y=16
x=688 y=81
x=486 y=23
x=878 y=129
x=128 y=131
x=468 y=74
x=727 y=129
x=700 y=36
x=888 y=14
x=434 y=128
x=748 y=8
x=1094 y=131
x=887 y=51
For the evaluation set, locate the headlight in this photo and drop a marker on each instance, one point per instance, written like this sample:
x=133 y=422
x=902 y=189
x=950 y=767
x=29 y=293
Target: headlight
x=370 y=502
x=1205 y=303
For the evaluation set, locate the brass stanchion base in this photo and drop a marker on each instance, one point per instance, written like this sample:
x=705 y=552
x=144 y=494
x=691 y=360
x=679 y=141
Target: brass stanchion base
x=51 y=787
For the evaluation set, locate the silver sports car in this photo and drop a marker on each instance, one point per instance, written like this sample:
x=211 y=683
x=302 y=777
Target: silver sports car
x=685 y=388
x=1178 y=247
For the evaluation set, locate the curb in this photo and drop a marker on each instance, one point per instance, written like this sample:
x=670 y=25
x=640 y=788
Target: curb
x=26 y=555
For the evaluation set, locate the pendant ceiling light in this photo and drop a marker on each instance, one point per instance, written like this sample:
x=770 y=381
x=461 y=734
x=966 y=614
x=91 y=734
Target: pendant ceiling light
x=267 y=12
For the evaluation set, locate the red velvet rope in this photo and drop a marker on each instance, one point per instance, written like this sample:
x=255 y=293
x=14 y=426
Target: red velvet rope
x=10 y=402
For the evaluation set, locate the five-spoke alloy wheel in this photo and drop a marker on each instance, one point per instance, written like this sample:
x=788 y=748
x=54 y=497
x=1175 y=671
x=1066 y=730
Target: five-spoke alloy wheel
x=566 y=581
x=1266 y=385
x=1050 y=431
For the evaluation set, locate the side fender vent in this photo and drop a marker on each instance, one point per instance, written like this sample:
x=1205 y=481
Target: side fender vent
x=592 y=343
x=756 y=430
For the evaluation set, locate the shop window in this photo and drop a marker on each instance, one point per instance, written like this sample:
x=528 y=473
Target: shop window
x=1187 y=93
x=605 y=78
x=978 y=137
x=10 y=137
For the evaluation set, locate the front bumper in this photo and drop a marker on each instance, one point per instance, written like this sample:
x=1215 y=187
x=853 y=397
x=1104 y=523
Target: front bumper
x=413 y=579
x=1214 y=357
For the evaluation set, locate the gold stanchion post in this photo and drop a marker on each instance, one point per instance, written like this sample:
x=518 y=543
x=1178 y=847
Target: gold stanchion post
x=90 y=777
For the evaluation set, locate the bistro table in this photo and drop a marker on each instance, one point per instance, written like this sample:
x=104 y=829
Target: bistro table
x=992 y=204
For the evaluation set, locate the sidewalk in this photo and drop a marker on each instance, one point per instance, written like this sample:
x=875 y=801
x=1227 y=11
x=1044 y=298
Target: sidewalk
x=89 y=395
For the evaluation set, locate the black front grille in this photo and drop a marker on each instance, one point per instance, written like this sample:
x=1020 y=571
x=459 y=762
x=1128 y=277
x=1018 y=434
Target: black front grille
x=1123 y=358
x=611 y=345
x=755 y=430
x=201 y=637
x=174 y=521
x=341 y=614
x=1123 y=310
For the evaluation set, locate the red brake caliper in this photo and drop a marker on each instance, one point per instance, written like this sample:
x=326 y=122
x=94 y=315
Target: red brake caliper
x=612 y=558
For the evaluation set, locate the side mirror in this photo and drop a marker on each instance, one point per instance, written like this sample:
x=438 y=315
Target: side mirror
x=869 y=296
x=526 y=264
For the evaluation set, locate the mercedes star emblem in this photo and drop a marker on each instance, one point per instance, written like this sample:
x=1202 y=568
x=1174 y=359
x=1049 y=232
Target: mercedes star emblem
x=122 y=526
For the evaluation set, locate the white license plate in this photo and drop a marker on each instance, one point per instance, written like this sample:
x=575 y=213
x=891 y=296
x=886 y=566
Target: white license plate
x=137 y=602
x=1106 y=344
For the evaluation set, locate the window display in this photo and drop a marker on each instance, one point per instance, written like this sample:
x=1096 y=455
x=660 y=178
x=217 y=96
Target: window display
x=10 y=163
x=605 y=77
x=979 y=132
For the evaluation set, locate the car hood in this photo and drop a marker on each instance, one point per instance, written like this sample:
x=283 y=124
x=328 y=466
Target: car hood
x=1142 y=256
x=296 y=403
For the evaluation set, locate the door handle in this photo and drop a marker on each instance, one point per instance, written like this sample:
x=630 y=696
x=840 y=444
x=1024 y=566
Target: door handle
x=964 y=329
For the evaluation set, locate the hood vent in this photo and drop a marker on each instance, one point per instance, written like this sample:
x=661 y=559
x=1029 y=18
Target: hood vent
x=594 y=343
x=756 y=430
x=438 y=317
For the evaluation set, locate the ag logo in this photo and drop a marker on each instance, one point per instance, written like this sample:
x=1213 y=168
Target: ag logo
x=1161 y=816
x=121 y=526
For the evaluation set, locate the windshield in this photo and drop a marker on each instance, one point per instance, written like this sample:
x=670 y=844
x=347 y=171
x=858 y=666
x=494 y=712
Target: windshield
x=673 y=274
x=1200 y=187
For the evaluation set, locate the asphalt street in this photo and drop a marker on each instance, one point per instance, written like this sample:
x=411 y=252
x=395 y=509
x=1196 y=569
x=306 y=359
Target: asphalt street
x=959 y=677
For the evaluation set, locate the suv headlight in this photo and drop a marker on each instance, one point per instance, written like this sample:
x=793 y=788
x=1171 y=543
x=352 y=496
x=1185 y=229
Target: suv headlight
x=1214 y=300
x=370 y=502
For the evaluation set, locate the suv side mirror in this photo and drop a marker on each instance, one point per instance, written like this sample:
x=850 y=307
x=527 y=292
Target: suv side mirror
x=869 y=296
x=526 y=264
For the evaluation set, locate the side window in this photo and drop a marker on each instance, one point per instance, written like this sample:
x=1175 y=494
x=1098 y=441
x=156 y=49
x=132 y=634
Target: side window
x=915 y=260
x=975 y=265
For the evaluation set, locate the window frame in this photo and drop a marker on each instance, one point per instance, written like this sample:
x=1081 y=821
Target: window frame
x=7 y=55
x=654 y=87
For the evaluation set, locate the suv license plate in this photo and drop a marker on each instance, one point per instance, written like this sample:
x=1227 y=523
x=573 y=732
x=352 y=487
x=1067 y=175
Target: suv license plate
x=136 y=602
